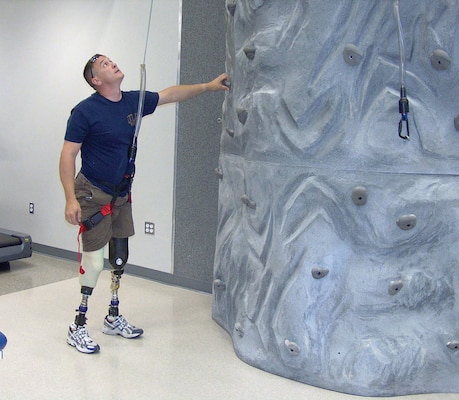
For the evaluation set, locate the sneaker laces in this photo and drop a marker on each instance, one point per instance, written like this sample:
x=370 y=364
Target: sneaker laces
x=82 y=334
x=122 y=323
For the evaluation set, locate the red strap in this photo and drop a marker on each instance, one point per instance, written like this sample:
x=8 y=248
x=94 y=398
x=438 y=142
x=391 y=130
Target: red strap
x=82 y=229
x=107 y=209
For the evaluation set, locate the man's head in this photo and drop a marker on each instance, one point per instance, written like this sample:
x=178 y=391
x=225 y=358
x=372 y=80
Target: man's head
x=100 y=70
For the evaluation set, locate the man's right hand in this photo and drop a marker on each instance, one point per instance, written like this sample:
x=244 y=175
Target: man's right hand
x=73 y=212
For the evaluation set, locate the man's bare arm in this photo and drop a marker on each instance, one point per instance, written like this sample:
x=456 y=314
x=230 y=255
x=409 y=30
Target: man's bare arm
x=180 y=93
x=67 y=171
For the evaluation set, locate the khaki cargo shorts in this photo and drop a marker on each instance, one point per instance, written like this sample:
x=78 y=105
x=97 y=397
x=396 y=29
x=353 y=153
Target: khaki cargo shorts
x=92 y=199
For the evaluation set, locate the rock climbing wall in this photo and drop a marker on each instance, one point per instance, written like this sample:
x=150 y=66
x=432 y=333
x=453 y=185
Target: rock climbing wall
x=337 y=260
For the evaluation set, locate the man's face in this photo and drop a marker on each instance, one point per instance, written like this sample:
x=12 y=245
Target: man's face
x=105 y=71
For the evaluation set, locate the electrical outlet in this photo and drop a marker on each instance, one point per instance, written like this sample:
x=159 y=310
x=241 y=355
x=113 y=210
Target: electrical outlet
x=31 y=208
x=149 y=228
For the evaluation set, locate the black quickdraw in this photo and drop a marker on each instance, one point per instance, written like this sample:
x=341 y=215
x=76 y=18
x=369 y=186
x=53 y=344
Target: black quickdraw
x=403 y=105
x=403 y=108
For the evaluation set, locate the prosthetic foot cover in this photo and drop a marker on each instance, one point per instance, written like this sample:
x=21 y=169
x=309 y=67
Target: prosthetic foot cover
x=92 y=264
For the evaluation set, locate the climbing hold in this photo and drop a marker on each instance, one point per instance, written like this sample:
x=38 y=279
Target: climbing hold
x=249 y=203
x=227 y=83
x=293 y=348
x=219 y=173
x=249 y=52
x=395 y=287
x=242 y=115
x=219 y=284
x=230 y=132
x=407 y=222
x=3 y=342
x=352 y=55
x=231 y=6
x=319 y=273
x=239 y=330
x=453 y=345
x=456 y=122
x=359 y=195
x=440 y=60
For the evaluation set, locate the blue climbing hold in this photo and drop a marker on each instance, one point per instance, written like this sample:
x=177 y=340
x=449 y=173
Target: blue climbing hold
x=3 y=342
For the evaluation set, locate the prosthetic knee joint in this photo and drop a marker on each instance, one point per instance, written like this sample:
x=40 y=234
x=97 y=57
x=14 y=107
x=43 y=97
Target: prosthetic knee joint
x=118 y=255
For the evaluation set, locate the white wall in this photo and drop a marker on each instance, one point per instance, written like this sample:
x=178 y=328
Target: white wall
x=44 y=45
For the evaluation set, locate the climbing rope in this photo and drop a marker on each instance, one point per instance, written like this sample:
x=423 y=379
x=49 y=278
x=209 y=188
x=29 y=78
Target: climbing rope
x=143 y=74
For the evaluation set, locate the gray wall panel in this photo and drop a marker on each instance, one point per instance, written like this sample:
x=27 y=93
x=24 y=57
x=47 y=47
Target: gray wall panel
x=198 y=140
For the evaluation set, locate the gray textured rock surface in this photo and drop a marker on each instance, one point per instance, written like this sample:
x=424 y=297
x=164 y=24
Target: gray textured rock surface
x=337 y=258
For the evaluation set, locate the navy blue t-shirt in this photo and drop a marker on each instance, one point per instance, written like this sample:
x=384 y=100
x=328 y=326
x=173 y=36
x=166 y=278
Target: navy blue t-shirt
x=106 y=130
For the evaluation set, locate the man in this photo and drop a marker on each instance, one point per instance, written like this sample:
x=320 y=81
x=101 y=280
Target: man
x=102 y=128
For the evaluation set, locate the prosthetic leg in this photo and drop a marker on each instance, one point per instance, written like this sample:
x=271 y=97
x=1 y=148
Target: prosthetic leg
x=118 y=255
x=91 y=266
x=114 y=323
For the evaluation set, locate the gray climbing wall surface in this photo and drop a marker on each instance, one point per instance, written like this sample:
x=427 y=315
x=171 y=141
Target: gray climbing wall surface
x=337 y=259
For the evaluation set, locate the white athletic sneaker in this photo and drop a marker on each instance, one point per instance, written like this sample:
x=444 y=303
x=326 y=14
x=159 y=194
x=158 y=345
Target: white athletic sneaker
x=79 y=338
x=120 y=326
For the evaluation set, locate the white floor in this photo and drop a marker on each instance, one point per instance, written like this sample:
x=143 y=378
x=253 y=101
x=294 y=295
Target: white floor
x=182 y=355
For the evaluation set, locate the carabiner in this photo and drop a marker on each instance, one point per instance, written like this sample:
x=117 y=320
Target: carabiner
x=403 y=108
x=400 y=127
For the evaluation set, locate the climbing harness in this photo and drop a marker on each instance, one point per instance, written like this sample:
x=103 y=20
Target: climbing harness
x=125 y=185
x=107 y=209
x=403 y=104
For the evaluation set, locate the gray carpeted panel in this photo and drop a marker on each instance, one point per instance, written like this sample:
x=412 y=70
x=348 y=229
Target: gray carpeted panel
x=198 y=140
